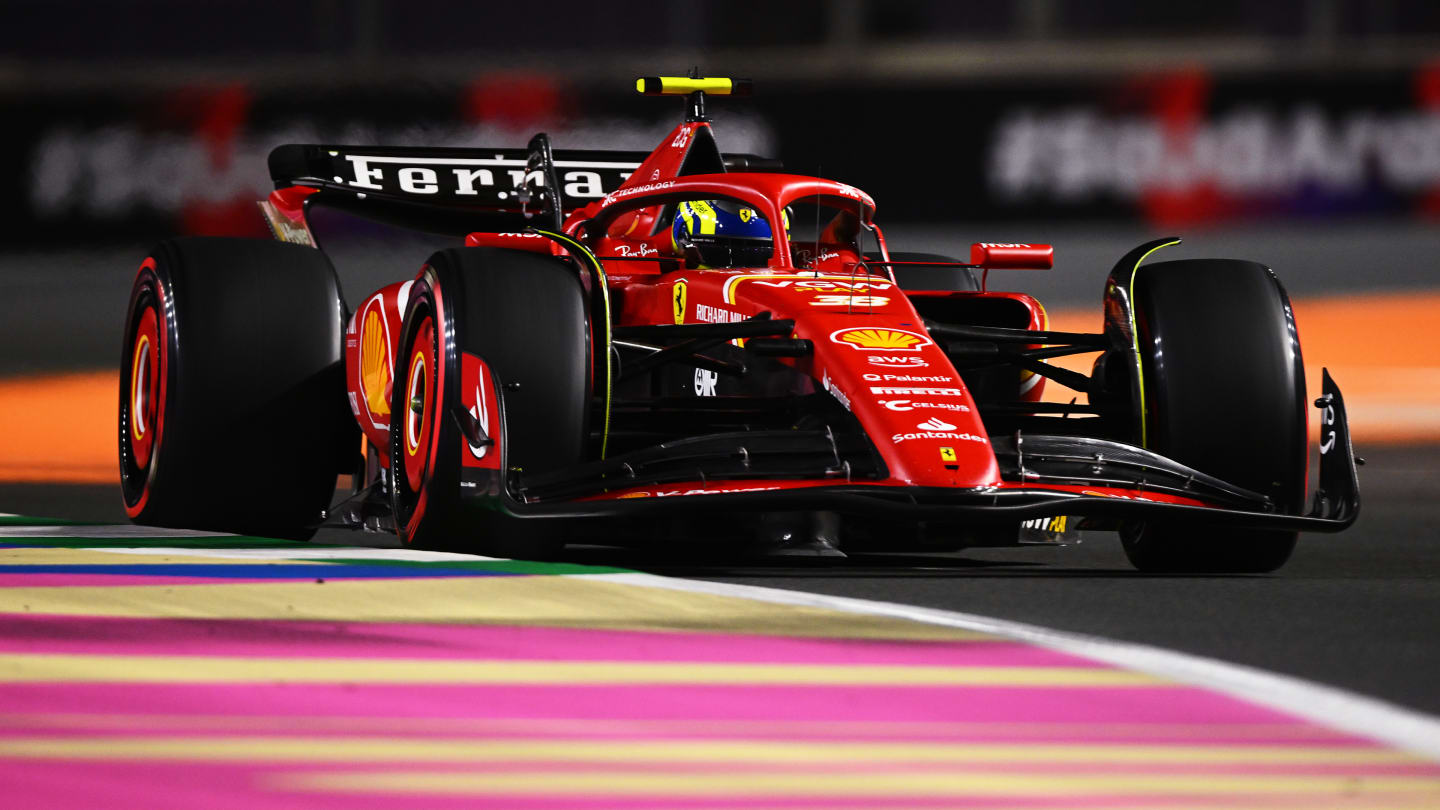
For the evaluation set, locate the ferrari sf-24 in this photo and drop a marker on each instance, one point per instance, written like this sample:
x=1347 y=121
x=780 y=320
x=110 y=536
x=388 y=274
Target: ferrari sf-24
x=695 y=346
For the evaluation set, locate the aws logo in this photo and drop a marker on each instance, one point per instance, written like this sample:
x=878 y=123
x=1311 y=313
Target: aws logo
x=879 y=339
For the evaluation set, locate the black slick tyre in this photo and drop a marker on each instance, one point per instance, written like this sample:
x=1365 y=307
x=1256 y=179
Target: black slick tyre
x=525 y=316
x=232 y=413
x=1223 y=391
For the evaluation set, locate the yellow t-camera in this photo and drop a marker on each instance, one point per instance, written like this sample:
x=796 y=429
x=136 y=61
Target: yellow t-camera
x=684 y=85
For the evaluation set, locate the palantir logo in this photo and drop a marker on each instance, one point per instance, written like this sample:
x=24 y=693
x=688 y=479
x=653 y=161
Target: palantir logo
x=934 y=424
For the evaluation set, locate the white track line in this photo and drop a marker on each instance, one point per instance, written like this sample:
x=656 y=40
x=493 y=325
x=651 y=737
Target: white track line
x=119 y=531
x=1328 y=706
x=307 y=553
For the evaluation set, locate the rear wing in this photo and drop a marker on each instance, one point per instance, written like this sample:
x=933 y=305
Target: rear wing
x=460 y=190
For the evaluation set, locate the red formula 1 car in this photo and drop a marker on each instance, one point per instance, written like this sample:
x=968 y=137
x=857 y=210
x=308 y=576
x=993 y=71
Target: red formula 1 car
x=690 y=344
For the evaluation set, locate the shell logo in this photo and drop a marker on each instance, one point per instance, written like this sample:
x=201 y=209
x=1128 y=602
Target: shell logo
x=375 y=374
x=894 y=340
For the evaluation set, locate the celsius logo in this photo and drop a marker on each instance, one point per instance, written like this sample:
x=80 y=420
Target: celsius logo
x=910 y=405
x=934 y=424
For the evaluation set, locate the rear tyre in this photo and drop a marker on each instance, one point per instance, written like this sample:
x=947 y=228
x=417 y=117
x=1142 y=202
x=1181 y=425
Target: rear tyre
x=232 y=410
x=526 y=317
x=1223 y=389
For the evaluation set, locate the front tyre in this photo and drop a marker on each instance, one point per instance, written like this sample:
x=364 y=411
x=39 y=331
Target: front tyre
x=1223 y=391
x=526 y=317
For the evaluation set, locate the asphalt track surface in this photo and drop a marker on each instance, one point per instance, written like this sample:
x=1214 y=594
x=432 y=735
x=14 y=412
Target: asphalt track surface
x=1358 y=610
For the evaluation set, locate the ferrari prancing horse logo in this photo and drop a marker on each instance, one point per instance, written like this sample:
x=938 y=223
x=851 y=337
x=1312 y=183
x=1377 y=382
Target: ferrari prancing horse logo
x=677 y=298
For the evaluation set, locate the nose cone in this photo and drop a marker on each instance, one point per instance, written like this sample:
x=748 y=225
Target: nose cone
x=915 y=408
x=873 y=355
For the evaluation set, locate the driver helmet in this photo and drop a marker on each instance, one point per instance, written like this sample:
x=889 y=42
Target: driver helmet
x=721 y=233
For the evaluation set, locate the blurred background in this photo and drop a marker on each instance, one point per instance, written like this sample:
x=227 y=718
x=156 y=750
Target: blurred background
x=1304 y=134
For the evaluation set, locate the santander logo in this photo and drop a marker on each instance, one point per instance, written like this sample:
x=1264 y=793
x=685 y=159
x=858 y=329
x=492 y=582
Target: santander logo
x=935 y=424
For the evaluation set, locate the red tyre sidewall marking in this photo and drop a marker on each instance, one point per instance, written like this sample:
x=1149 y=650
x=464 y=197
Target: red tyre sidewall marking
x=144 y=387
x=438 y=375
x=437 y=386
x=152 y=329
x=419 y=384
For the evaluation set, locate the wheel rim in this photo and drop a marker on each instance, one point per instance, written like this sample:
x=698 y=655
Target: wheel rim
x=419 y=405
x=143 y=396
x=143 y=383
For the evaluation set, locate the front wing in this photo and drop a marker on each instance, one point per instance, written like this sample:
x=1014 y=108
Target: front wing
x=1335 y=506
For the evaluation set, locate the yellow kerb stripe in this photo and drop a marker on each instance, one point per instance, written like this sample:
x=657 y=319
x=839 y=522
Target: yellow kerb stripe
x=755 y=752
x=42 y=668
x=577 y=601
x=866 y=783
x=798 y=730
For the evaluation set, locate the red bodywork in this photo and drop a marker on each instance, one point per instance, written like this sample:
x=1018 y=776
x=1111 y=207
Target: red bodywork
x=871 y=348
